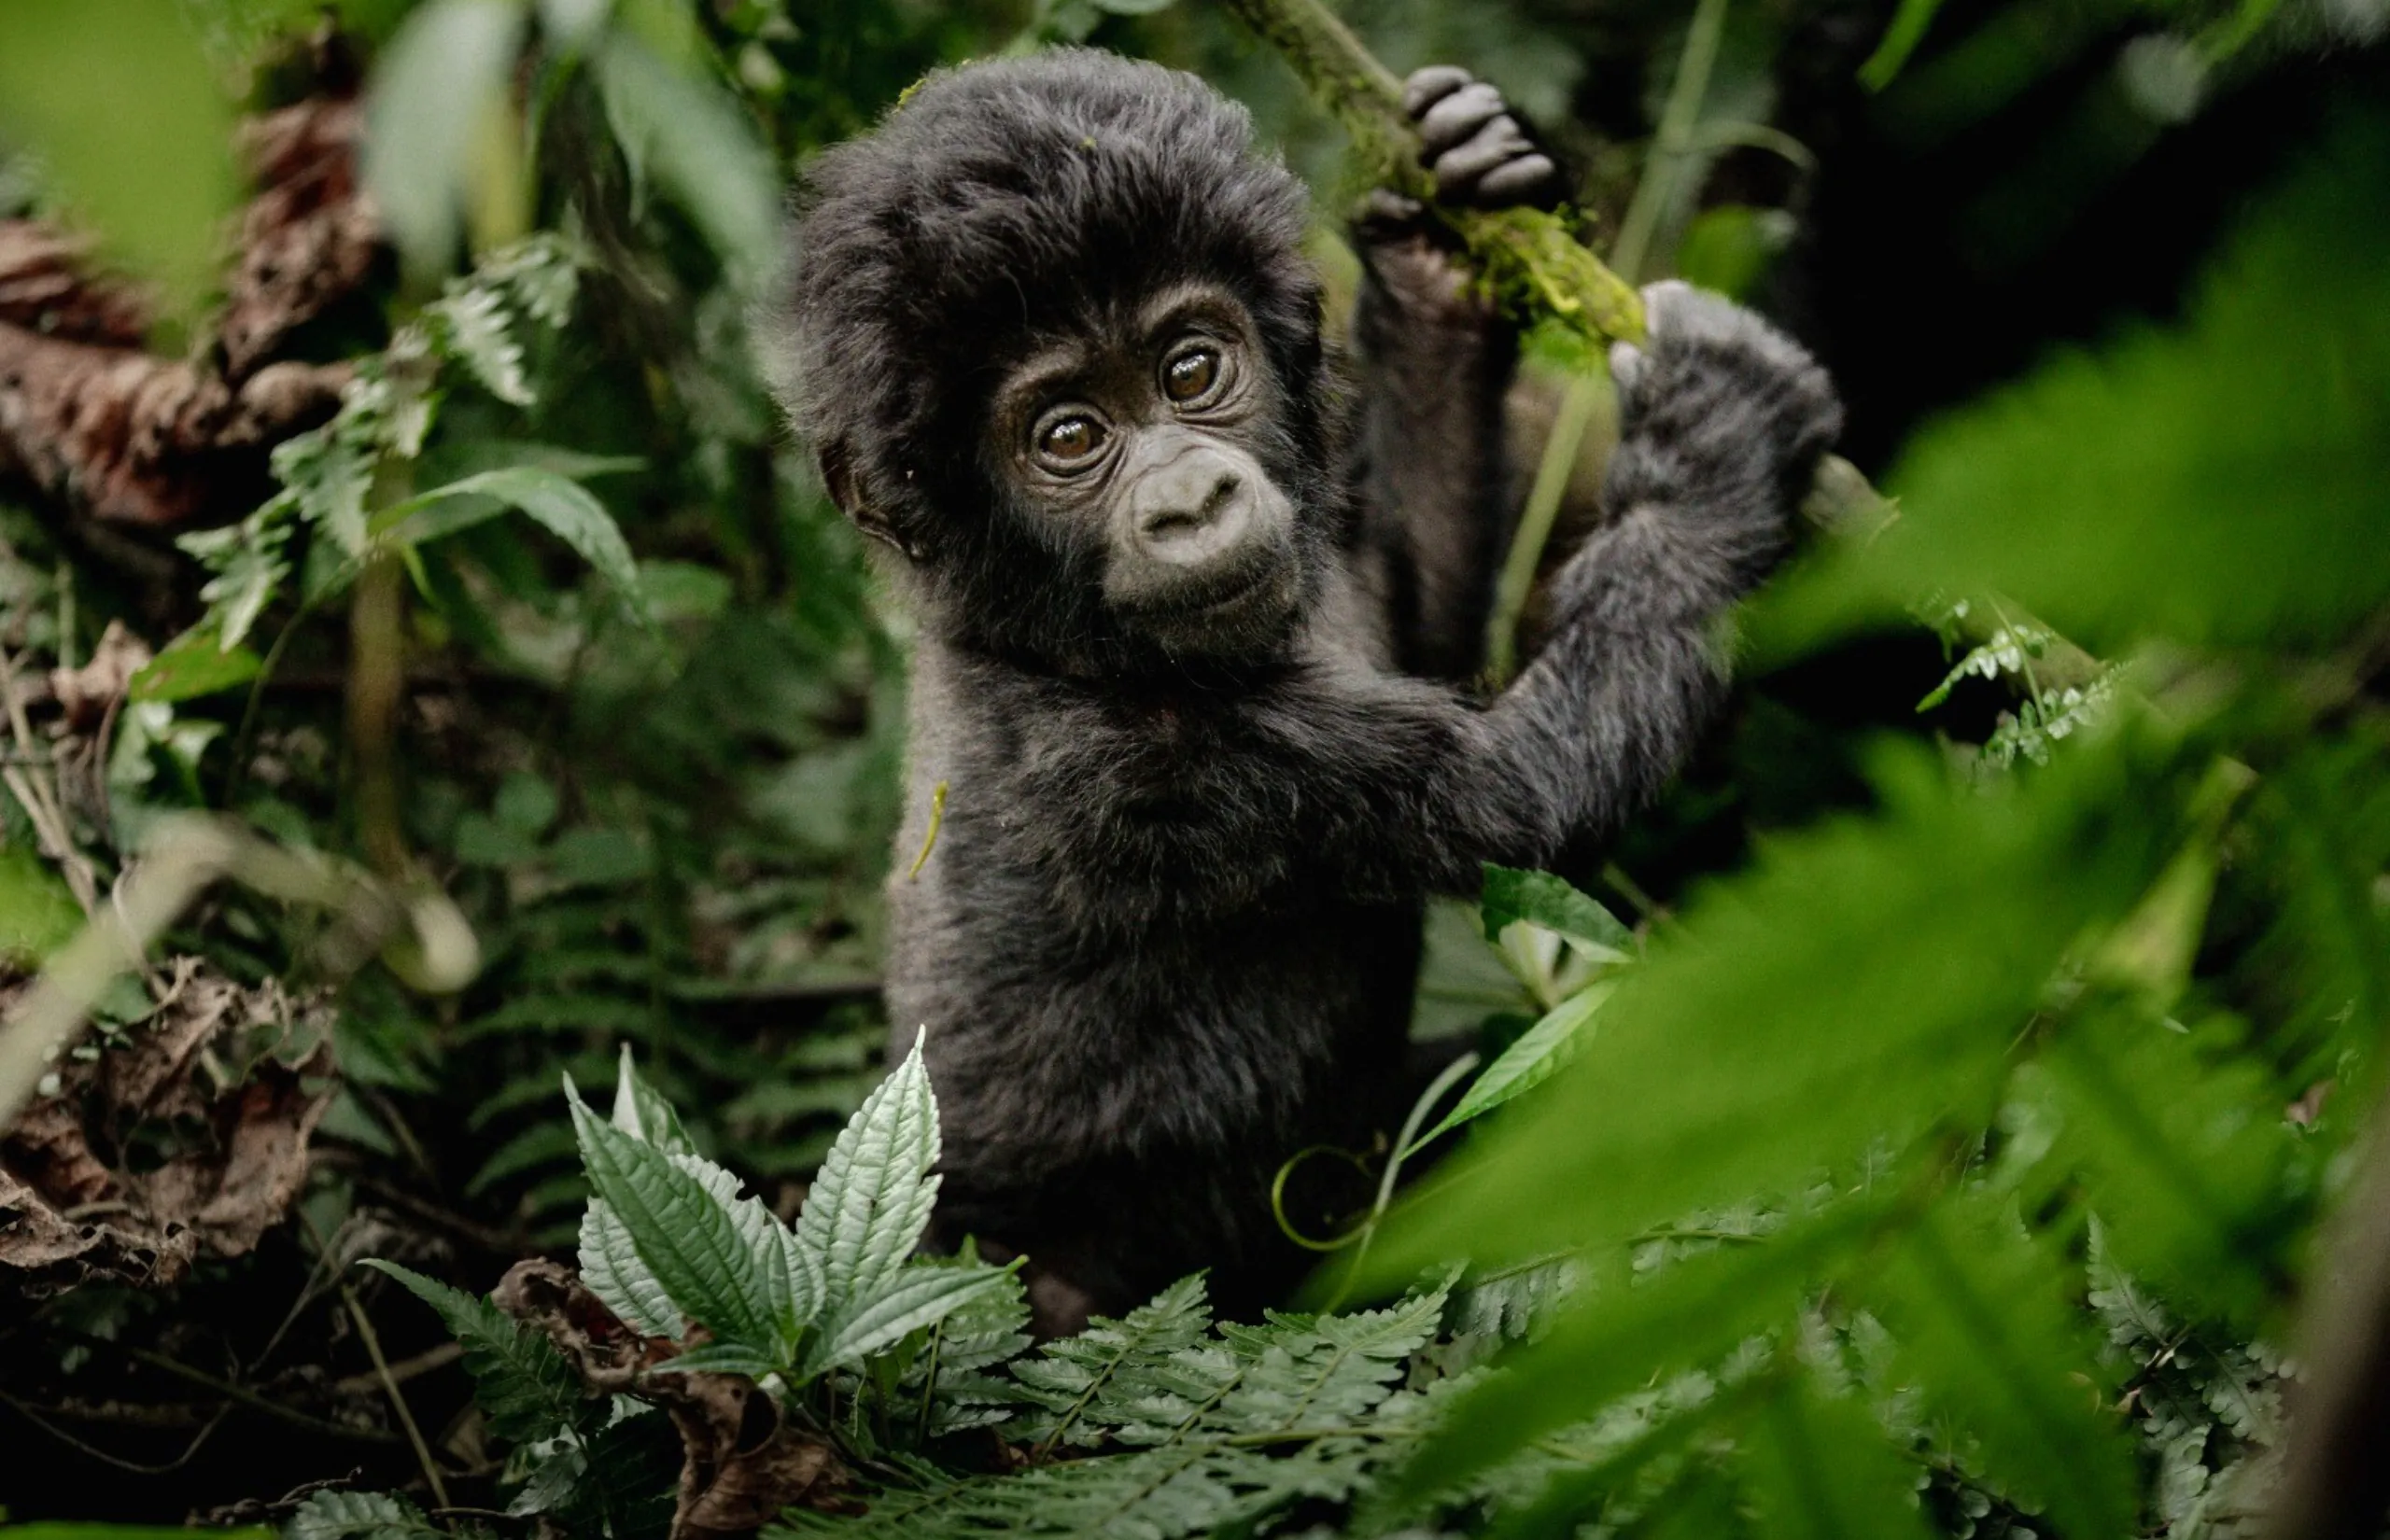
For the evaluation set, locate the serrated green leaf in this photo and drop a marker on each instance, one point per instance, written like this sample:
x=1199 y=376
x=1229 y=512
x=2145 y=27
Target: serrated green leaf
x=641 y=1112
x=913 y=1298
x=523 y=1383
x=869 y=1206
x=685 y=1234
x=611 y=1266
x=721 y=1358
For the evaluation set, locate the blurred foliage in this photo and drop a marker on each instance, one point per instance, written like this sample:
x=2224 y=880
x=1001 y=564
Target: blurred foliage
x=1937 y=1150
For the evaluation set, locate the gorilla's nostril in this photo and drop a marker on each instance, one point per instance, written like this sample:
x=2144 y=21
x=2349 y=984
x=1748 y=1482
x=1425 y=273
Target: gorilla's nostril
x=1182 y=516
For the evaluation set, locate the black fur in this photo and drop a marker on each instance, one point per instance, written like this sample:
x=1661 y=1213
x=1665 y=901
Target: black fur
x=1169 y=931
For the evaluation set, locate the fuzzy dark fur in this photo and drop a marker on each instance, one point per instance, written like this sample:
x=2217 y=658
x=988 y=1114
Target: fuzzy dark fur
x=1169 y=931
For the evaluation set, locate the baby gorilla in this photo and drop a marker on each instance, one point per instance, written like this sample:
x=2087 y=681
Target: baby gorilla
x=1186 y=620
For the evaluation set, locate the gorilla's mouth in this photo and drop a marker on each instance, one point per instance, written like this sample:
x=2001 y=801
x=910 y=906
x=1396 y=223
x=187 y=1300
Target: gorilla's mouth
x=1235 y=612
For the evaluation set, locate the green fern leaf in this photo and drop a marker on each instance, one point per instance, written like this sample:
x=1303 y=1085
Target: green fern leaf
x=1111 y=1361
x=523 y=1383
x=360 y=1515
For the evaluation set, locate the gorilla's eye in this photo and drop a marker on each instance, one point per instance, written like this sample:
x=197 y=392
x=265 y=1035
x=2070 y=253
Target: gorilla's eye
x=1070 y=439
x=1192 y=375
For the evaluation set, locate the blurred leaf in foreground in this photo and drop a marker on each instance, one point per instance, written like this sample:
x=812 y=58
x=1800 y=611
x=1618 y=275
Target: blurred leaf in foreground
x=117 y=97
x=2225 y=480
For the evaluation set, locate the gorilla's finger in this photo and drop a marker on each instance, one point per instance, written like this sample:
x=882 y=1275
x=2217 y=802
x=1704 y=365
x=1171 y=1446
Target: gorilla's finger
x=1667 y=306
x=1431 y=84
x=1627 y=363
x=1528 y=178
x=1459 y=117
x=1386 y=213
x=1458 y=172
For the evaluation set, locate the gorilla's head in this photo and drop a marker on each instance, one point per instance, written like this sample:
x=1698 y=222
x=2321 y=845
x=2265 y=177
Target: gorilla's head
x=1052 y=333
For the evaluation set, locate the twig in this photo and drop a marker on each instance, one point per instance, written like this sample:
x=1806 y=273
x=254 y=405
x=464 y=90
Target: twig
x=417 y=930
x=1672 y=149
x=398 y=1398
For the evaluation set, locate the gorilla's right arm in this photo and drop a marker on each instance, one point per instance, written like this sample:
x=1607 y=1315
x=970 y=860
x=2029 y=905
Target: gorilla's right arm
x=1723 y=420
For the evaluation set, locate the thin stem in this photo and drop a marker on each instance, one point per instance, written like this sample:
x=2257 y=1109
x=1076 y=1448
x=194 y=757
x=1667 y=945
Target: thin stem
x=398 y=1398
x=1552 y=473
x=1673 y=149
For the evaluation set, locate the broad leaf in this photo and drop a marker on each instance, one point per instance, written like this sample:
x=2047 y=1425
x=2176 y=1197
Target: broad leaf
x=684 y=1233
x=872 y=1199
x=611 y=1266
x=558 y=503
x=1543 y=899
x=1542 y=1048
x=916 y=1297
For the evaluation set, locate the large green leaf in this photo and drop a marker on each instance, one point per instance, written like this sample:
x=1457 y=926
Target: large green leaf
x=687 y=1237
x=872 y=1199
x=1778 y=1030
x=1819 y=1468
x=121 y=102
x=674 y=123
x=2227 y=479
x=561 y=504
x=437 y=100
x=524 y=1386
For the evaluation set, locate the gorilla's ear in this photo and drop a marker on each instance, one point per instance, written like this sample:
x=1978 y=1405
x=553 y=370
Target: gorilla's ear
x=846 y=490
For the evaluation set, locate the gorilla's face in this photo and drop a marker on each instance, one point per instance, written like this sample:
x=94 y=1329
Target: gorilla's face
x=1142 y=445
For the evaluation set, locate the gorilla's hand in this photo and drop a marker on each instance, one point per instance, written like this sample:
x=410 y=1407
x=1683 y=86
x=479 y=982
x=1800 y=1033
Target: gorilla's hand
x=1476 y=149
x=1720 y=403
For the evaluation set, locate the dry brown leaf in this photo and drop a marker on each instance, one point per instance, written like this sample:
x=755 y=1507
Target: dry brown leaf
x=741 y=1460
x=228 y=1081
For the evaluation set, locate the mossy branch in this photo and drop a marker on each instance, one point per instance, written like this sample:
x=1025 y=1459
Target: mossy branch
x=1531 y=261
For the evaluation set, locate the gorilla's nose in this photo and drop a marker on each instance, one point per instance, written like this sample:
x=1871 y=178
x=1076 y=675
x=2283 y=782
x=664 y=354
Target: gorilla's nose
x=1191 y=508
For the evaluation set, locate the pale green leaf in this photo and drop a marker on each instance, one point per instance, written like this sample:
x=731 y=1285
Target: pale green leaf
x=869 y=1206
x=611 y=1266
x=1540 y=1050
x=640 y=1110
x=915 y=1297
x=690 y=1238
x=441 y=87
x=683 y=128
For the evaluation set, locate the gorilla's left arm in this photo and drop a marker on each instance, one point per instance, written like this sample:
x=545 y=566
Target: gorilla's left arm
x=1723 y=420
x=1436 y=362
